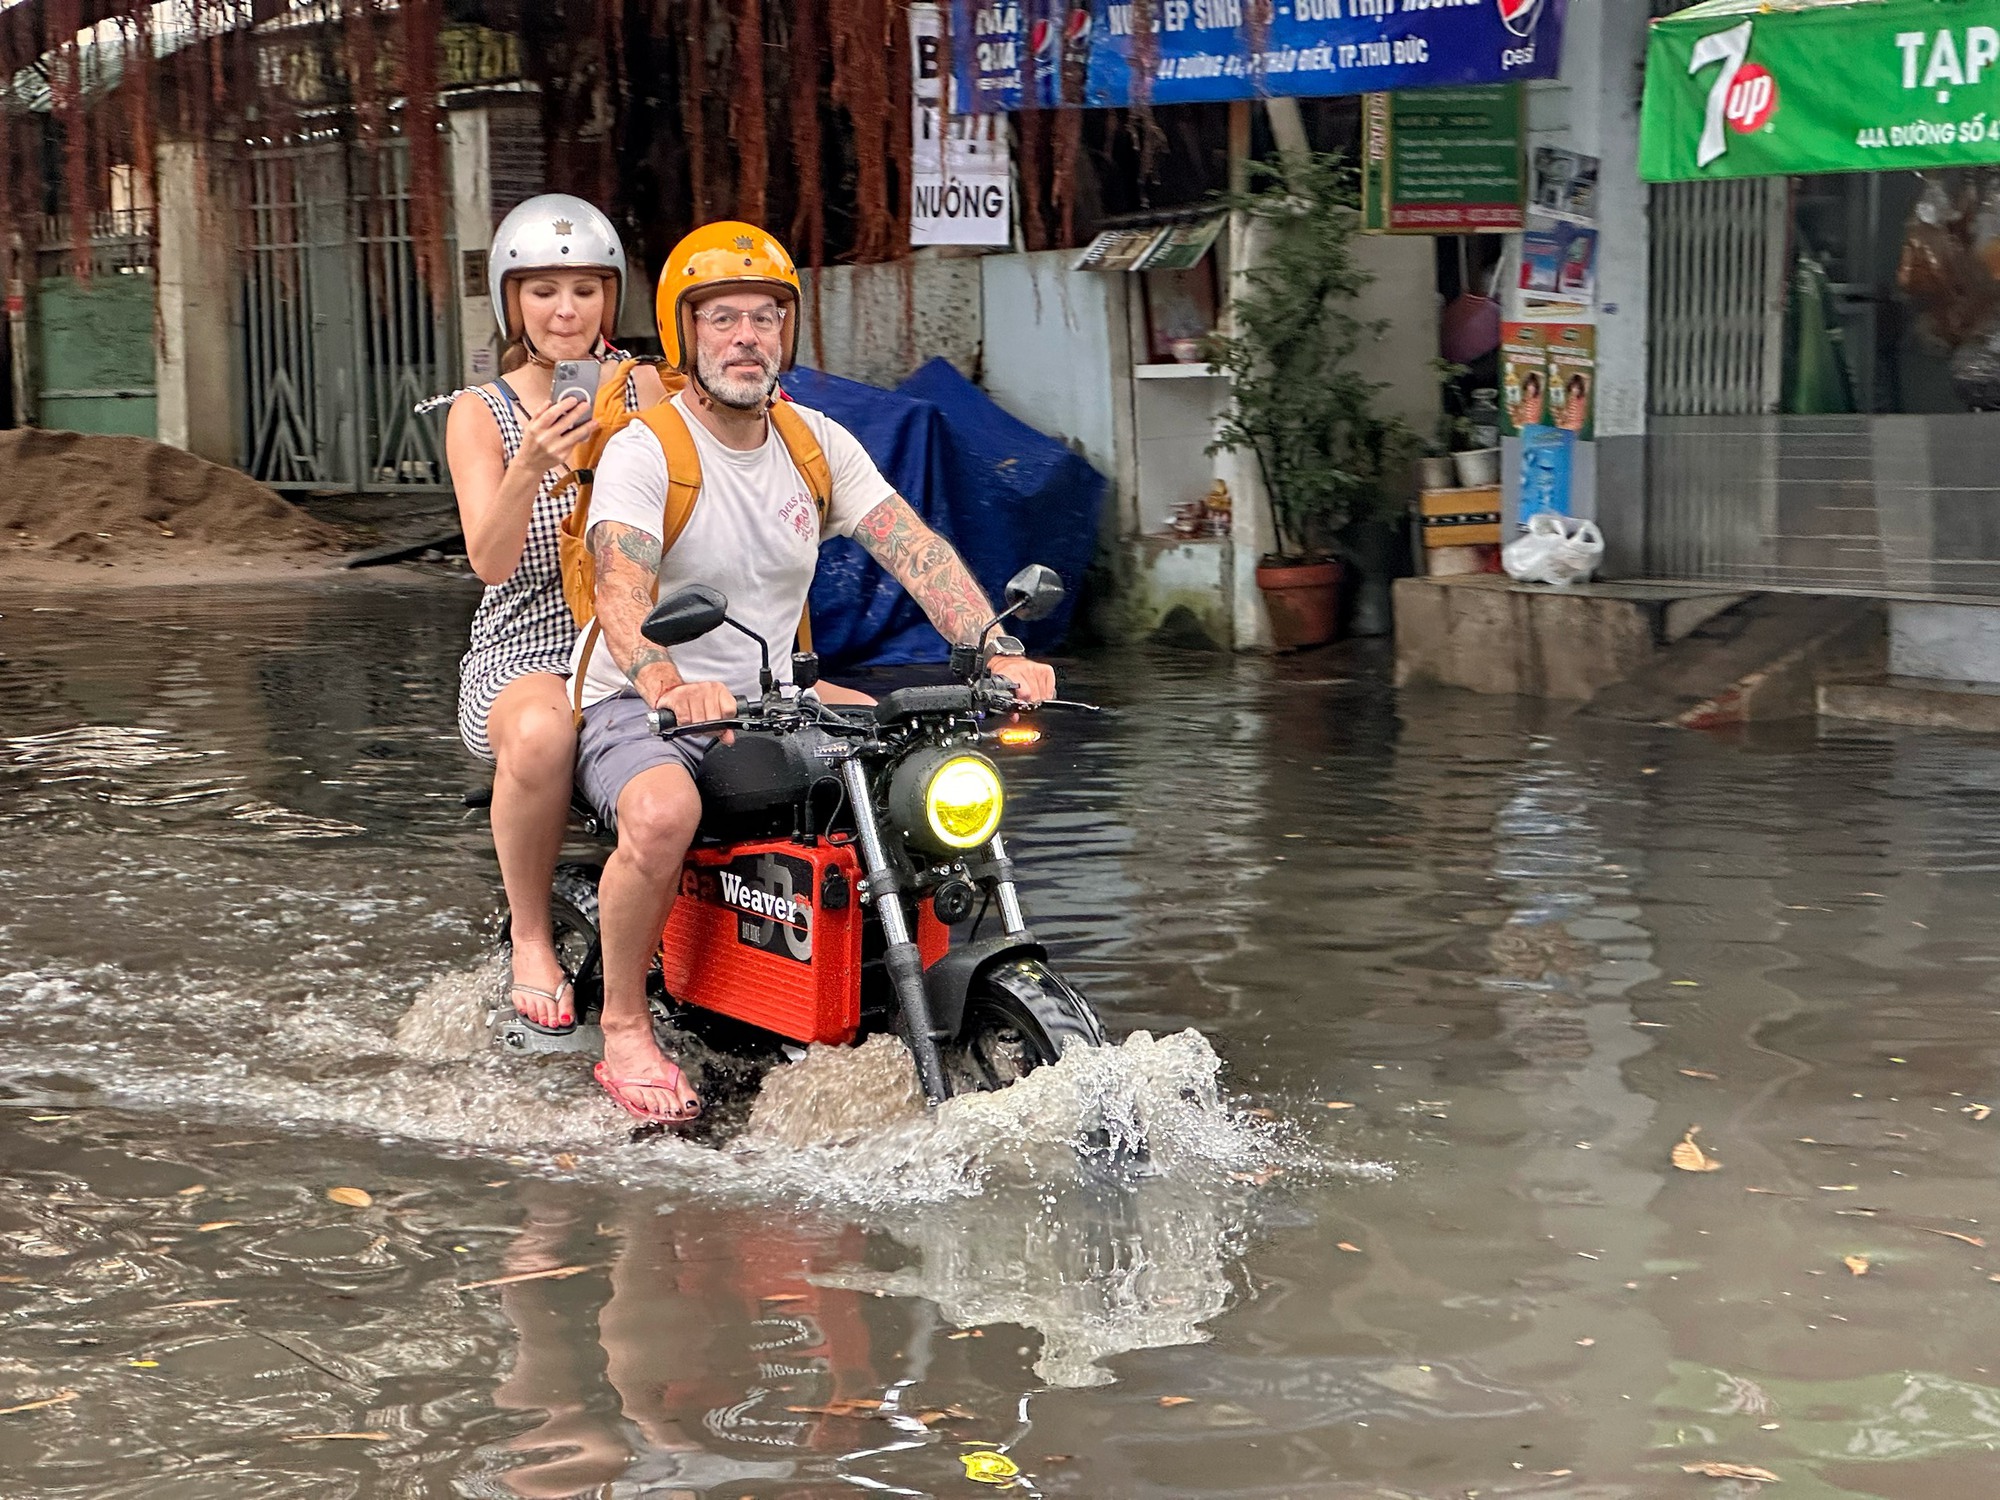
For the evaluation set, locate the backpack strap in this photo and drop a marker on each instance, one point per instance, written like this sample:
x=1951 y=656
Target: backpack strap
x=670 y=429
x=797 y=435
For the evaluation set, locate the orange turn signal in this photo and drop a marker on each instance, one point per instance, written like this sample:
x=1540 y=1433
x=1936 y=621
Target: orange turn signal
x=1019 y=735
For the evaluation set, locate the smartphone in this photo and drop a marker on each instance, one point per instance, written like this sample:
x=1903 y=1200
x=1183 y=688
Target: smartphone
x=576 y=377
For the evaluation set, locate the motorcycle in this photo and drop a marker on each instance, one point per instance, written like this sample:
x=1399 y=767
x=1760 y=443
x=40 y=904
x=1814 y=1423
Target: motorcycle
x=841 y=850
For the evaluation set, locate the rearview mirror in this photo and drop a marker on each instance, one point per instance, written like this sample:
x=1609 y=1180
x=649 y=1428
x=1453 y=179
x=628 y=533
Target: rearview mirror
x=1034 y=592
x=685 y=615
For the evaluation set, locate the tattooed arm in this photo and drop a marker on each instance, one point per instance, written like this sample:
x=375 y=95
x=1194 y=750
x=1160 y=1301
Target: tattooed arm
x=924 y=563
x=628 y=570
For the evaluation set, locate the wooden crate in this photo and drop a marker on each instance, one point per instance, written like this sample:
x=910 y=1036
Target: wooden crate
x=1460 y=517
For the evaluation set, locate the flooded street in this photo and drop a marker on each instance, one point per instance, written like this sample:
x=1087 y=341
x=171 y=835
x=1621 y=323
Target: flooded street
x=1431 y=988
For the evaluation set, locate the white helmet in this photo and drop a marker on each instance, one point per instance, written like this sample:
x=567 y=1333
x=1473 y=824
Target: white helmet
x=553 y=232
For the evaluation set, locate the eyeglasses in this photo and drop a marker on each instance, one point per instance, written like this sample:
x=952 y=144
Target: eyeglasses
x=725 y=319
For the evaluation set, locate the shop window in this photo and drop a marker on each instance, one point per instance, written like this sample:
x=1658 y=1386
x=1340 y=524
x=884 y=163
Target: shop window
x=1893 y=303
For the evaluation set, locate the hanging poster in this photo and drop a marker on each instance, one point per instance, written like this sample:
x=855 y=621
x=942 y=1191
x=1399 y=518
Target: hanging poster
x=1442 y=161
x=1524 y=377
x=1564 y=185
x=1558 y=266
x=1572 y=378
x=1007 y=53
x=961 y=167
x=1548 y=378
x=1547 y=458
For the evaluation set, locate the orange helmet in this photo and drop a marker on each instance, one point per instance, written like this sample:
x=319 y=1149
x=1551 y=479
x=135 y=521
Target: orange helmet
x=725 y=254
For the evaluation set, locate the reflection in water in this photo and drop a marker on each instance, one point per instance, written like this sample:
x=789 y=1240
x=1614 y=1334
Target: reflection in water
x=241 y=965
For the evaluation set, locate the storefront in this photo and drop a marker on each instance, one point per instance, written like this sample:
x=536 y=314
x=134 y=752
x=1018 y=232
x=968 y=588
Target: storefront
x=1825 y=360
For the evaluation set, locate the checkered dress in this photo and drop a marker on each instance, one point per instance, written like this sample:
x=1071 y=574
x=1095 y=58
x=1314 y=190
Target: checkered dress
x=522 y=625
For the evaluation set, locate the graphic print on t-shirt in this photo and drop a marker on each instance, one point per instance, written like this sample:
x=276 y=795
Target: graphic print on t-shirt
x=798 y=513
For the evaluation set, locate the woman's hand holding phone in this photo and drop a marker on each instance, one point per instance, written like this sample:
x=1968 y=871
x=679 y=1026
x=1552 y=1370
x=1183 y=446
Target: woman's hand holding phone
x=552 y=435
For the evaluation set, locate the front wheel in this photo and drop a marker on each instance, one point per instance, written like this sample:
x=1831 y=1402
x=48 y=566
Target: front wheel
x=1020 y=1016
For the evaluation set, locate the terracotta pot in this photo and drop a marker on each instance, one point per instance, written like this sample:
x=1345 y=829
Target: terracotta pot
x=1303 y=600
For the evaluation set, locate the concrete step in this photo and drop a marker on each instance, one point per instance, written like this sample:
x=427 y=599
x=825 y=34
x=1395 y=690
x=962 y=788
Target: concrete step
x=1489 y=634
x=1918 y=702
x=1760 y=660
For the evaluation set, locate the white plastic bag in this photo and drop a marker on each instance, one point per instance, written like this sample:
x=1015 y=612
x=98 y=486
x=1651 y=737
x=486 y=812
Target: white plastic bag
x=1576 y=556
x=1526 y=558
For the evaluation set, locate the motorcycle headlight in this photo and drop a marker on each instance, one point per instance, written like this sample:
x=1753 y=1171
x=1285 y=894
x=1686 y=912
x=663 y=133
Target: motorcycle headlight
x=946 y=801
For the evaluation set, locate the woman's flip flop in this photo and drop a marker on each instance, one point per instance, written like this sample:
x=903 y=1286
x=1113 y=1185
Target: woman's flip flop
x=555 y=995
x=620 y=1090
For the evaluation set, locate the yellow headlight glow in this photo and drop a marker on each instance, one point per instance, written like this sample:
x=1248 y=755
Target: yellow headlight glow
x=962 y=802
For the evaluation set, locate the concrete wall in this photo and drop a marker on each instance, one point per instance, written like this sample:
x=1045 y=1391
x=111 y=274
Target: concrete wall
x=1064 y=362
x=1593 y=107
x=197 y=313
x=878 y=323
x=1405 y=293
x=1948 y=642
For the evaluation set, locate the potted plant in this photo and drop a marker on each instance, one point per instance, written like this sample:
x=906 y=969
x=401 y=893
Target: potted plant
x=1296 y=400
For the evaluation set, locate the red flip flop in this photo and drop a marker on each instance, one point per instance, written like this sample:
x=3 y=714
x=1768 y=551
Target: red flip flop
x=620 y=1091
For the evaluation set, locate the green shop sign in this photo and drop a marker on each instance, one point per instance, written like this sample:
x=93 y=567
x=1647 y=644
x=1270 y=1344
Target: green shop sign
x=1442 y=161
x=1759 y=88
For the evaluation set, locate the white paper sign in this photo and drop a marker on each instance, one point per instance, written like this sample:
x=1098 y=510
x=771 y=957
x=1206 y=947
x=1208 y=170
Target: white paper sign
x=962 y=174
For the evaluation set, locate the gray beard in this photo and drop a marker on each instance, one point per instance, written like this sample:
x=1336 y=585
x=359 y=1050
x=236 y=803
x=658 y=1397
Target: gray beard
x=741 y=393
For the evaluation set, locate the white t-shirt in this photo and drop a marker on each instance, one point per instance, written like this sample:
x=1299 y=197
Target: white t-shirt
x=754 y=535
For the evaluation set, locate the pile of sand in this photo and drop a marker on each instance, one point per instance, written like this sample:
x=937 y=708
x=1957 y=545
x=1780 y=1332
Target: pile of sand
x=73 y=498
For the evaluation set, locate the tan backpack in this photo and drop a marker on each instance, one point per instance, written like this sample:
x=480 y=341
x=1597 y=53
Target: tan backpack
x=579 y=570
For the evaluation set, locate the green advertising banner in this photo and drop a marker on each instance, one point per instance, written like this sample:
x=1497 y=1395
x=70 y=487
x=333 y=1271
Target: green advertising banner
x=1442 y=161
x=1760 y=88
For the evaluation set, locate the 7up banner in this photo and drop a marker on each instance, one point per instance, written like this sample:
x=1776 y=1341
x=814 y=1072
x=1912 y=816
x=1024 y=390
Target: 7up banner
x=1758 y=88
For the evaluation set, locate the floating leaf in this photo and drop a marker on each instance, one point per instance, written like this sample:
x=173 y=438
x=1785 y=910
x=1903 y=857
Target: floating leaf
x=1334 y=1104
x=783 y=1297
x=1697 y=1073
x=58 y=1399
x=336 y=1437
x=1840 y=1187
x=1952 y=1234
x=143 y=1364
x=350 y=1197
x=1176 y=1400
x=555 y=1273
x=13 y=1281
x=214 y=1224
x=1731 y=1471
x=1978 y=1111
x=968 y=1333
x=1689 y=1157
x=566 y=1160
x=192 y=1192
x=1858 y=1264
x=1350 y=1249
x=989 y=1468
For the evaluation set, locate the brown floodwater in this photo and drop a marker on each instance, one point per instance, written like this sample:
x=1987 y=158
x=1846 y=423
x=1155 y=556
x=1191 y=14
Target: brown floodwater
x=1422 y=991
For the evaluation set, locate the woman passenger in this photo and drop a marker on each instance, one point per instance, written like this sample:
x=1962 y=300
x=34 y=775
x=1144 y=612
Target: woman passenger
x=556 y=272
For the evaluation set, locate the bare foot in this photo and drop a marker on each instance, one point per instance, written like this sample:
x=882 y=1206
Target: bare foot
x=538 y=981
x=650 y=1082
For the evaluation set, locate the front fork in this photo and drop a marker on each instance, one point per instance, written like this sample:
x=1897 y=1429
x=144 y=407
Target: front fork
x=904 y=962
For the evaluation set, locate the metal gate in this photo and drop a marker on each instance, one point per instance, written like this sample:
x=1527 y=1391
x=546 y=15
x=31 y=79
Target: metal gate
x=341 y=333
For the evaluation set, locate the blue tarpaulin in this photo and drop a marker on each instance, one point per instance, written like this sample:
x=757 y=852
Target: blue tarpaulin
x=1000 y=492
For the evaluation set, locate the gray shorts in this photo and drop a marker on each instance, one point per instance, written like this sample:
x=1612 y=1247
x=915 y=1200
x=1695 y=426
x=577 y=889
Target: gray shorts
x=616 y=744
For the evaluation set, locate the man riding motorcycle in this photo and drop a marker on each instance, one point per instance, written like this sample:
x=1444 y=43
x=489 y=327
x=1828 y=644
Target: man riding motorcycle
x=728 y=318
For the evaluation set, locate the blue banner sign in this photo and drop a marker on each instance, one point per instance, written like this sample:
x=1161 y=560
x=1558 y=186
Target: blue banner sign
x=1082 y=54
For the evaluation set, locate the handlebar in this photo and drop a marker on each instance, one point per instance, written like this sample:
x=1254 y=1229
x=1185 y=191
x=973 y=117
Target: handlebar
x=663 y=723
x=989 y=695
